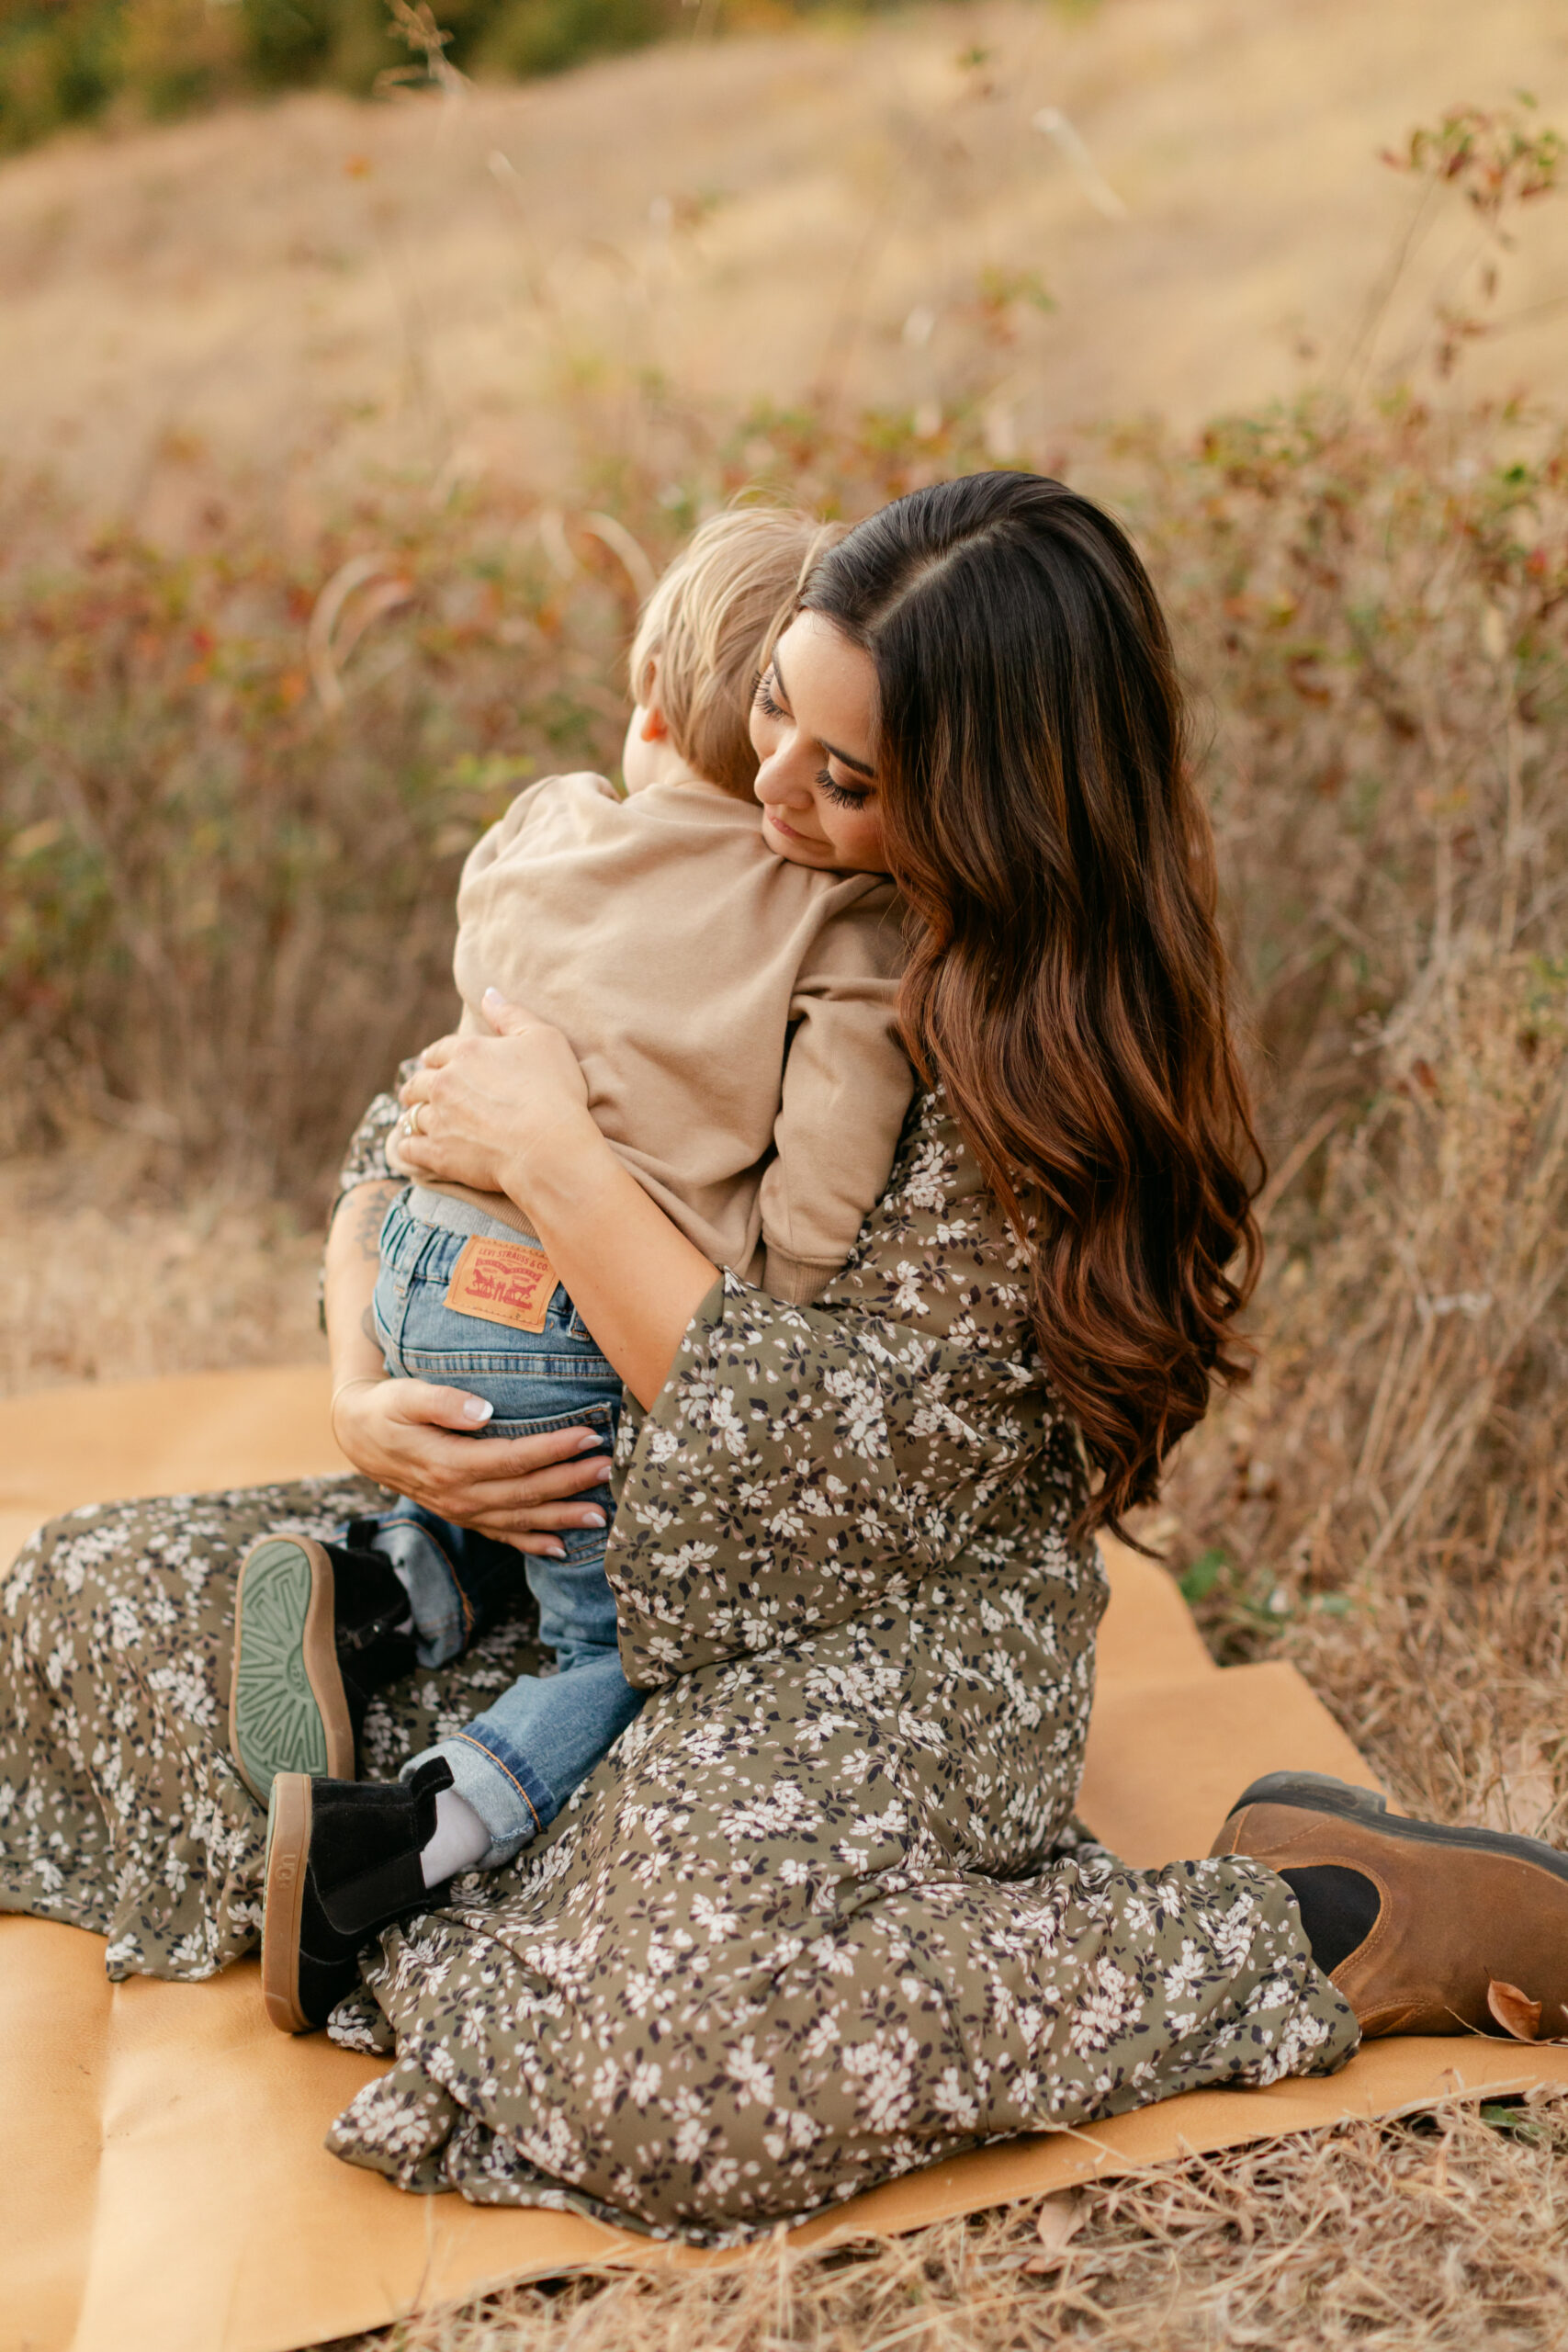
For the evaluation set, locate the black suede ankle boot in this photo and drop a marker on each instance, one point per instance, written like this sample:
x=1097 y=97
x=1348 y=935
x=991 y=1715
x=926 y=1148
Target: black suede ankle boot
x=319 y=1628
x=341 y=1863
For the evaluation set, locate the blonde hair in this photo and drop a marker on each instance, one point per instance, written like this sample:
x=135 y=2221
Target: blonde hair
x=710 y=624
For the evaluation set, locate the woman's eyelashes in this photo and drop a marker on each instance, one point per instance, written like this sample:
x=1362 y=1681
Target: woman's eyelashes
x=846 y=796
x=765 y=702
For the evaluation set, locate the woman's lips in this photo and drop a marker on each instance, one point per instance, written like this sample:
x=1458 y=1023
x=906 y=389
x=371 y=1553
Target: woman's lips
x=789 y=832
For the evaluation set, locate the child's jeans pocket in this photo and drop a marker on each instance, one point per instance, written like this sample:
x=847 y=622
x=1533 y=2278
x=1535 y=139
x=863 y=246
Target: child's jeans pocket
x=537 y=1381
x=581 y=1544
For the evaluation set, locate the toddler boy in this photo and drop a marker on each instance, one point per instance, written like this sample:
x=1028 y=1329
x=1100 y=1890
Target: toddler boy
x=734 y=1016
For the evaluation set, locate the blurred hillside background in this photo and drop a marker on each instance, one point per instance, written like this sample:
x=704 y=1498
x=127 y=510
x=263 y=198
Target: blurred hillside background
x=342 y=433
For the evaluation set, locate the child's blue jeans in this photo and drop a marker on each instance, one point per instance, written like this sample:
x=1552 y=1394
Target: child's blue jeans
x=520 y=1760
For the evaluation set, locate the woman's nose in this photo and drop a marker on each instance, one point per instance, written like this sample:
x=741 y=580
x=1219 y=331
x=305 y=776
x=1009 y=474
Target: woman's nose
x=782 y=782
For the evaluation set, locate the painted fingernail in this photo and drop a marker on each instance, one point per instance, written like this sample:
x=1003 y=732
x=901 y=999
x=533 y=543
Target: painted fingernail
x=475 y=1408
x=555 y=1551
x=590 y=1444
x=492 y=996
x=592 y=1519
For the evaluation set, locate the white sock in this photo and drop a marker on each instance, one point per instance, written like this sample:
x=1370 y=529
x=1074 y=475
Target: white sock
x=461 y=1839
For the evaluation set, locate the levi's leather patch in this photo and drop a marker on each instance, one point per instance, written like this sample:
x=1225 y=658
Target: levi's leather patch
x=501 y=1282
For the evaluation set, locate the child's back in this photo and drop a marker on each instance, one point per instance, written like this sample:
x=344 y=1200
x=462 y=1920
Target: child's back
x=734 y=1013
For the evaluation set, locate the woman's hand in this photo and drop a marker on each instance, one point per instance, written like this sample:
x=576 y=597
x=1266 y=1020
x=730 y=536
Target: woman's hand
x=479 y=1111
x=420 y=1440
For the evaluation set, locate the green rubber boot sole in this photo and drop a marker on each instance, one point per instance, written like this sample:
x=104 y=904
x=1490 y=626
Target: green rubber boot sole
x=287 y=1709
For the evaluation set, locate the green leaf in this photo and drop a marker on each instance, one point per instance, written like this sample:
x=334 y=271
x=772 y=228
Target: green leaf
x=1515 y=2122
x=1198 y=1582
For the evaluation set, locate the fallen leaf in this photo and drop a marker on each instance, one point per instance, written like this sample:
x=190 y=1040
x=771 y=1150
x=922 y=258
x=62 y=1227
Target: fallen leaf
x=1514 y=2010
x=1059 y=2217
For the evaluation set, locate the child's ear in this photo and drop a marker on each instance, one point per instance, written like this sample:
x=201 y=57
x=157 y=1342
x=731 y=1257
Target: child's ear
x=653 y=730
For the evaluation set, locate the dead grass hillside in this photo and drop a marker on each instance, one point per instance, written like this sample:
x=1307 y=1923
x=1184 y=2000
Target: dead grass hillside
x=309 y=290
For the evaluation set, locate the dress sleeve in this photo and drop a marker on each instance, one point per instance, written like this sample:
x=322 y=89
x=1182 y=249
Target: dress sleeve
x=847 y=1084
x=801 y=1461
x=363 y=1162
x=366 y=1161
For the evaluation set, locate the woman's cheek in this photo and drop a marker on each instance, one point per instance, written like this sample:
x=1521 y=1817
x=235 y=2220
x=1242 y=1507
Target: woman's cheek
x=869 y=852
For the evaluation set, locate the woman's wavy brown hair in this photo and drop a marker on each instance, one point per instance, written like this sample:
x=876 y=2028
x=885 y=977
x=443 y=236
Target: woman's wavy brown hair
x=1066 y=984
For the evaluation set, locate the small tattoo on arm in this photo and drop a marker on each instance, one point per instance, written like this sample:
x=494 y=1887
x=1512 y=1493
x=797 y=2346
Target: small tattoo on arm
x=371 y=1216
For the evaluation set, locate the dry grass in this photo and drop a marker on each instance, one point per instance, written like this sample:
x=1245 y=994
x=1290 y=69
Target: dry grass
x=1388 y=1504
x=104 y=1276
x=1438 y=2234
x=316 y=293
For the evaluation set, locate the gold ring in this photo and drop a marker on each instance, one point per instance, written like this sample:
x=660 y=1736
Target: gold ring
x=417 y=1116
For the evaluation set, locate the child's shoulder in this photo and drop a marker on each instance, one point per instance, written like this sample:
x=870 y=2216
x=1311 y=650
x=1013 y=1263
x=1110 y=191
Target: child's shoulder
x=578 y=788
x=577 y=784
x=859 y=927
x=859 y=897
x=512 y=836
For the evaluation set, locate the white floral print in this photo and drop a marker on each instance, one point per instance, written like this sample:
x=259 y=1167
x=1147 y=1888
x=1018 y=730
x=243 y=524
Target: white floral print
x=822 y=1915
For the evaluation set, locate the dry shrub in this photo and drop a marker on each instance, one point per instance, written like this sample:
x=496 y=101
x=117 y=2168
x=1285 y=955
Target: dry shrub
x=1447 y=2231
x=1377 y=613
x=239 y=777
x=1392 y=1497
x=100 y=1279
x=233 y=848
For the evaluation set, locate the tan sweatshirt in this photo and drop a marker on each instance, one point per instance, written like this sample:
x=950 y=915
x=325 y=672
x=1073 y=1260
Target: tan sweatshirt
x=733 y=1013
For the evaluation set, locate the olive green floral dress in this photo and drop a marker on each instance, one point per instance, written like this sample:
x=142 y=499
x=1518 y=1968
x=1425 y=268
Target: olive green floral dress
x=822 y=1915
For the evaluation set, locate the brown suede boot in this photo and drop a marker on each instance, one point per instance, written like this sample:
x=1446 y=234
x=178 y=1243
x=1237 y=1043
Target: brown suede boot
x=1411 y=1921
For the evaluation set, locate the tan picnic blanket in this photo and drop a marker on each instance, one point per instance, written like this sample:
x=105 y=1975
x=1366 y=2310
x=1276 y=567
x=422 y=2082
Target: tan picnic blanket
x=162 y=2183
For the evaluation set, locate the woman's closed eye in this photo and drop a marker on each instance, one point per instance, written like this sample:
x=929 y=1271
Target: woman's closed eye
x=844 y=795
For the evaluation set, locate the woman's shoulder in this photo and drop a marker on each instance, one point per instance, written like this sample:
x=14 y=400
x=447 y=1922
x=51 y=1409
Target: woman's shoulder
x=936 y=1252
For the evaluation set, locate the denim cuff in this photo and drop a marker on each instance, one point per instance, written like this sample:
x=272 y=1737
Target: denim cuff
x=504 y=1790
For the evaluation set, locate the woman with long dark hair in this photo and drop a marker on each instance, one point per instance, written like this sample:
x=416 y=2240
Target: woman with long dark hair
x=1067 y=987
x=819 y=1916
